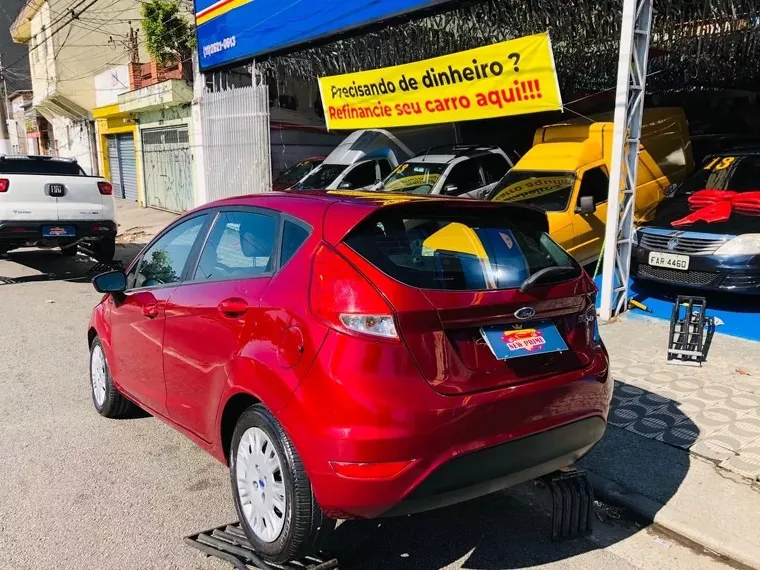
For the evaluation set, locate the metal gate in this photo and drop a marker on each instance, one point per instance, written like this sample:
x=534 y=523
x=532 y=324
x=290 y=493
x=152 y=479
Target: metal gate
x=168 y=168
x=238 y=157
x=123 y=166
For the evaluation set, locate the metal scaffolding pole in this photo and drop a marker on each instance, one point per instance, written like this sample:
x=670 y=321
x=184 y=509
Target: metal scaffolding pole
x=629 y=106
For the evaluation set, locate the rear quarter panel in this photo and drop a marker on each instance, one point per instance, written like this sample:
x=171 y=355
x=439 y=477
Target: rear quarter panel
x=276 y=357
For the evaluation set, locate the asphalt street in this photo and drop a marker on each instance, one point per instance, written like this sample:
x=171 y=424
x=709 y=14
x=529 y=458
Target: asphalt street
x=78 y=491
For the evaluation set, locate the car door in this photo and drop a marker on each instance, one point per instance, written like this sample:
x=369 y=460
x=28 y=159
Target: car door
x=214 y=311
x=494 y=166
x=138 y=319
x=589 y=228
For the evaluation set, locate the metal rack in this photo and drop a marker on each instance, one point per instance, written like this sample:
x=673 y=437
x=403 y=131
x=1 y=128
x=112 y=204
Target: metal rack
x=690 y=332
x=229 y=543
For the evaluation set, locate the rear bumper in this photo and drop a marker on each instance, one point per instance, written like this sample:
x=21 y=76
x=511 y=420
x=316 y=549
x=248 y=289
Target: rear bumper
x=380 y=410
x=737 y=274
x=482 y=472
x=24 y=231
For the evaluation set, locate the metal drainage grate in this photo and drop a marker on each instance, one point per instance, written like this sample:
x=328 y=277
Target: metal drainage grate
x=676 y=276
x=230 y=544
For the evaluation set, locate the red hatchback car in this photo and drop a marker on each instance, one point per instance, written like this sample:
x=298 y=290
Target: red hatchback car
x=356 y=355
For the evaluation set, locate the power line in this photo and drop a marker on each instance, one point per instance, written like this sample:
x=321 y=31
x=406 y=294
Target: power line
x=73 y=17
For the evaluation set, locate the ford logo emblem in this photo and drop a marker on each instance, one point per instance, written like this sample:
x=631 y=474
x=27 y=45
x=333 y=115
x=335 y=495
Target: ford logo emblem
x=525 y=313
x=673 y=244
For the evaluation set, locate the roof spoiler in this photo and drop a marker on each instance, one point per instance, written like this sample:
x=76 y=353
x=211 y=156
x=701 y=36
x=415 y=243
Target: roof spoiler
x=344 y=215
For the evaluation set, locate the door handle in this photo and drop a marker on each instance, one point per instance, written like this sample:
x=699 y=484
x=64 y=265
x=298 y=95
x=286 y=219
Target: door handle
x=150 y=311
x=233 y=307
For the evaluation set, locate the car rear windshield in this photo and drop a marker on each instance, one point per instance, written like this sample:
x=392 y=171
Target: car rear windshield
x=460 y=251
x=550 y=191
x=40 y=166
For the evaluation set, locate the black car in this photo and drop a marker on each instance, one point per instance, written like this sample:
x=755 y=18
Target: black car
x=706 y=233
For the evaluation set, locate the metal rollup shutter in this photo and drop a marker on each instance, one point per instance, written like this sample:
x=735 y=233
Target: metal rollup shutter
x=114 y=167
x=128 y=166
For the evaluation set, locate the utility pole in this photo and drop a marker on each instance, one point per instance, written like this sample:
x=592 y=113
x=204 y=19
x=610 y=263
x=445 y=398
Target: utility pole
x=5 y=140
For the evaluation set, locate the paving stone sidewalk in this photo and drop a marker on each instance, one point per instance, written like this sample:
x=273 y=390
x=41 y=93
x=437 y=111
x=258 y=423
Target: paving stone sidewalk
x=712 y=411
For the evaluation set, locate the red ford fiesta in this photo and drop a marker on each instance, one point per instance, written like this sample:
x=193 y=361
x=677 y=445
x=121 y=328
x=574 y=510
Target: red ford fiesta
x=354 y=354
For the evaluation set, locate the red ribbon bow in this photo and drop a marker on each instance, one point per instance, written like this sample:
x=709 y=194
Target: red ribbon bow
x=718 y=205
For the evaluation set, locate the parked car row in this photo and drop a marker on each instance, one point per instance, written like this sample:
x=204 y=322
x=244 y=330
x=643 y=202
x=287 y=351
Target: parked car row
x=566 y=174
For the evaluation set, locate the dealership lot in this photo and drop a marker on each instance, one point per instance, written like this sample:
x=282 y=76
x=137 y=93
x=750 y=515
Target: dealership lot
x=122 y=494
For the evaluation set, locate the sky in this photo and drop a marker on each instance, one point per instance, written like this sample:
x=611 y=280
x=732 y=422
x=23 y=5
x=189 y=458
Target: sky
x=18 y=76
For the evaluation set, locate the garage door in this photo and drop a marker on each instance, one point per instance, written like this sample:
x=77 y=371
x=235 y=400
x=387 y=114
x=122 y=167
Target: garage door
x=123 y=166
x=168 y=168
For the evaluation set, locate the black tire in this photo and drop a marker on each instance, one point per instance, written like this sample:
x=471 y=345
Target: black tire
x=113 y=404
x=69 y=251
x=104 y=250
x=305 y=525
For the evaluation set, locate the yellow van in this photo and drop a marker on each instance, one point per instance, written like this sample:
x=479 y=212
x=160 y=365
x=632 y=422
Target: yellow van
x=566 y=173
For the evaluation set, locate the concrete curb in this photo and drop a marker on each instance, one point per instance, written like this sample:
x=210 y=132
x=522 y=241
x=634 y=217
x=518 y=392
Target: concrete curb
x=680 y=524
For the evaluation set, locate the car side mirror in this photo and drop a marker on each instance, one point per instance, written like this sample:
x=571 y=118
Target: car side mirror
x=113 y=282
x=345 y=186
x=586 y=205
x=450 y=189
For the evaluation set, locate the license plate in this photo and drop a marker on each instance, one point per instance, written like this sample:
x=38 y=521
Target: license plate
x=670 y=260
x=56 y=190
x=58 y=231
x=523 y=339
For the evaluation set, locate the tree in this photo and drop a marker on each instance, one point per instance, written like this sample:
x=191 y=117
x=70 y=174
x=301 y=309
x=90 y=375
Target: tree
x=168 y=34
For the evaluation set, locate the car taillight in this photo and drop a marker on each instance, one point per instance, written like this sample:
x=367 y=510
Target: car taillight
x=4 y=184
x=106 y=189
x=346 y=300
x=588 y=320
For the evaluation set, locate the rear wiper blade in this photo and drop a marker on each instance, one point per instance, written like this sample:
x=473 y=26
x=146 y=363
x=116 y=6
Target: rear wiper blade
x=531 y=281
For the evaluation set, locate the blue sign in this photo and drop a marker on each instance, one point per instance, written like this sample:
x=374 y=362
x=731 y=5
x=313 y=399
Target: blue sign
x=523 y=339
x=234 y=30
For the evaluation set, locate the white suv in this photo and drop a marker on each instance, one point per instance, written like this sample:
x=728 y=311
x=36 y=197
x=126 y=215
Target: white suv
x=51 y=202
x=468 y=171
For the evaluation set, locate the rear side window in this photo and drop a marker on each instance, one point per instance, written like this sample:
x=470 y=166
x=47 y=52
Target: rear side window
x=463 y=252
x=40 y=166
x=293 y=237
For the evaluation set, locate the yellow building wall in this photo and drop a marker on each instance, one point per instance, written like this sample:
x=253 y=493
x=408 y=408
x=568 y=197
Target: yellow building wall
x=110 y=121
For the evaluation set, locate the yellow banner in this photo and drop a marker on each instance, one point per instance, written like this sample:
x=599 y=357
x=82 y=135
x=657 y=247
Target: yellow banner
x=509 y=78
x=533 y=188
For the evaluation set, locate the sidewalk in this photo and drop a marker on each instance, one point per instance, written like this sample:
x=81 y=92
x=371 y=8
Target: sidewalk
x=139 y=225
x=683 y=446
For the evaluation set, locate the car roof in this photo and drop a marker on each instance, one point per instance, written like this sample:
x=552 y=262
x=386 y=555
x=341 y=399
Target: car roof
x=339 y=211
x=40 y=157
x=447 y=153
